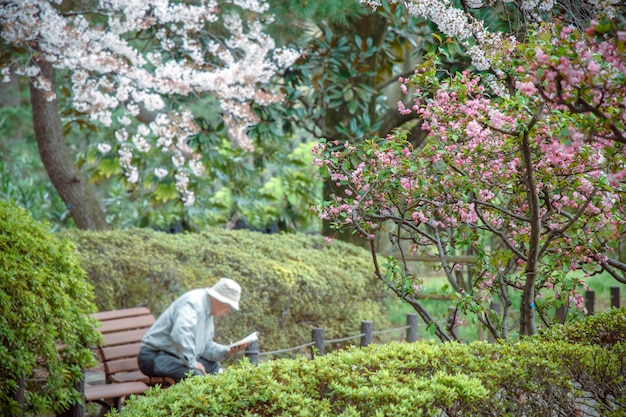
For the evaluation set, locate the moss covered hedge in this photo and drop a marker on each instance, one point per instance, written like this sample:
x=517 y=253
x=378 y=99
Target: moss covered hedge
x=291 y=283
x=533 y=377
x=44 y=303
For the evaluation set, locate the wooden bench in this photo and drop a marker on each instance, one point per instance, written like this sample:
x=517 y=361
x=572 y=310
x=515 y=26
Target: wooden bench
x=122 y=331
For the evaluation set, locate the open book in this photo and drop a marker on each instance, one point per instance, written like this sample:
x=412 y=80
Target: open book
x=250 y=338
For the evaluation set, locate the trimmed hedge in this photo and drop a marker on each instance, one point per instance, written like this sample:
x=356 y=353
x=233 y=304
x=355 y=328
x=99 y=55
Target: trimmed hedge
x=44 y=303
x=529 y=378
x=291 y=283
x=532 y=377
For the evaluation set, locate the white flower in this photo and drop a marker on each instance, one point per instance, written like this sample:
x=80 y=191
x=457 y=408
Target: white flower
x=160 y=172
x=124 y=121
x=104 y=148
x=196 y=167
x=178 y=159
x=143 y=130
x=132 y=175
x=121 y=135
x=189 y=198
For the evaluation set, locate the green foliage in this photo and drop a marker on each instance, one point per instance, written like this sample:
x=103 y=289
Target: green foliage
x=44 y=305
x=600 y=329
x=420 y=379
x=339 y=87
x=22 y=175
x=294 y=16
x=291 y=283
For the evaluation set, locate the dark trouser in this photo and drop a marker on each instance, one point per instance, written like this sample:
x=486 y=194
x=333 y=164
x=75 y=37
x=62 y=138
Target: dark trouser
x=159 y=363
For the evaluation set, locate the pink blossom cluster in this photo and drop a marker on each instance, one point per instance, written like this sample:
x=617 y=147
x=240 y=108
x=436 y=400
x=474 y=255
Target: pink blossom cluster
x=583 y=73
x=511 y=167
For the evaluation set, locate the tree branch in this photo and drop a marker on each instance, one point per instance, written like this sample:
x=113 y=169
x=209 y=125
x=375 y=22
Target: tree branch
x=424 y=314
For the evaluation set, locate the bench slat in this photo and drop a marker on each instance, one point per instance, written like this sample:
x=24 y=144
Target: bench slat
x=129 y=323
x=122 y=338
x=116 y=314
x=122 y=365
x=130 y=376
x=121 y=351
x=111 y=391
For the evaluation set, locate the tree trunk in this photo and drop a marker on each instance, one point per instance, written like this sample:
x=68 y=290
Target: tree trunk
x=528 y=324
x=71 y=184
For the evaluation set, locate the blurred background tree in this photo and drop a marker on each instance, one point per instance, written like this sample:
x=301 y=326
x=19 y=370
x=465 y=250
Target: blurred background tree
x=342 y=87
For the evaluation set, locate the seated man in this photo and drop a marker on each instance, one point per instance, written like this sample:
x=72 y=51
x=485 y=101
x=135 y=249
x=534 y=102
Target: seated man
x=180 y=342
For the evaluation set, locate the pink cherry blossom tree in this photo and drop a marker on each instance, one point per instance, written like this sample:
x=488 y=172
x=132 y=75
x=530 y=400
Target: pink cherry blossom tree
x=129 y=65
x=523 y=169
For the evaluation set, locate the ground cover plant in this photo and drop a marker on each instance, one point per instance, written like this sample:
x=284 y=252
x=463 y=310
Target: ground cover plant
x=535 y=376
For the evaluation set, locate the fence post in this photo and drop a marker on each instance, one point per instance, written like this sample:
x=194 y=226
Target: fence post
x=318 y=341
x=495 y=307
x=450 y=324
x=561 y=313
x=615 y=297
x=366 y=332
x=411 y=331
x=252 y=352
x=590 y=298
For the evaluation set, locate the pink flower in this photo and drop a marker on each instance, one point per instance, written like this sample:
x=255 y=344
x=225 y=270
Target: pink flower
x=526 y=88
x=540 y=56
x=593 y=67
x=473 y=129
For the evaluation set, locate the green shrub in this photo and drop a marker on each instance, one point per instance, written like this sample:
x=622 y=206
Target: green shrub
x=291 y=283
x=532 y=377
x=528 y=378
x=602 y=329
x=44 y=303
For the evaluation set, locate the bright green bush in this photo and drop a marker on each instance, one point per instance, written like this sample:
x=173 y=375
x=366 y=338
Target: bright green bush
x=44 y=303
x=291 y=283
x=529 y=378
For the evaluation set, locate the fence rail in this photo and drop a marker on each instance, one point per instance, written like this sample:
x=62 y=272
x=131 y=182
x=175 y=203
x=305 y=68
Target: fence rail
x=317 y=339
x=367 y=332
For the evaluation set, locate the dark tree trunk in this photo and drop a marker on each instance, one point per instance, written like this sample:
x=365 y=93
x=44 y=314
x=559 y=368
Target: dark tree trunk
x=71 y=184
x=528 y=325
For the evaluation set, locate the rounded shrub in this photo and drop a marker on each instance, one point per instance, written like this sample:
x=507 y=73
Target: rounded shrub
x=291 y=282
x=45 y=300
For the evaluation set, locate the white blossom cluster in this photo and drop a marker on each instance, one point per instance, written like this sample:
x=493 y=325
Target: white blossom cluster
x=481 y=45
x=111 y=75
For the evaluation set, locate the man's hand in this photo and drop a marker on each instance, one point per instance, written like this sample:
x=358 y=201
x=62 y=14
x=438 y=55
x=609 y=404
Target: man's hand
x=199 y=366
x=237 y=349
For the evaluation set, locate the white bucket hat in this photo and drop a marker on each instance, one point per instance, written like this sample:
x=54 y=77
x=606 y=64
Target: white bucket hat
x=227 y=291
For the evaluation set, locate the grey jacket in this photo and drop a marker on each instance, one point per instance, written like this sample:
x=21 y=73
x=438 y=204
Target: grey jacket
x=186 y=329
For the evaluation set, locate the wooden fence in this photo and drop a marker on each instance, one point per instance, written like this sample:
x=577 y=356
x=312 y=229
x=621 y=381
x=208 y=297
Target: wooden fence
x=317 y=339
x=367 y=332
